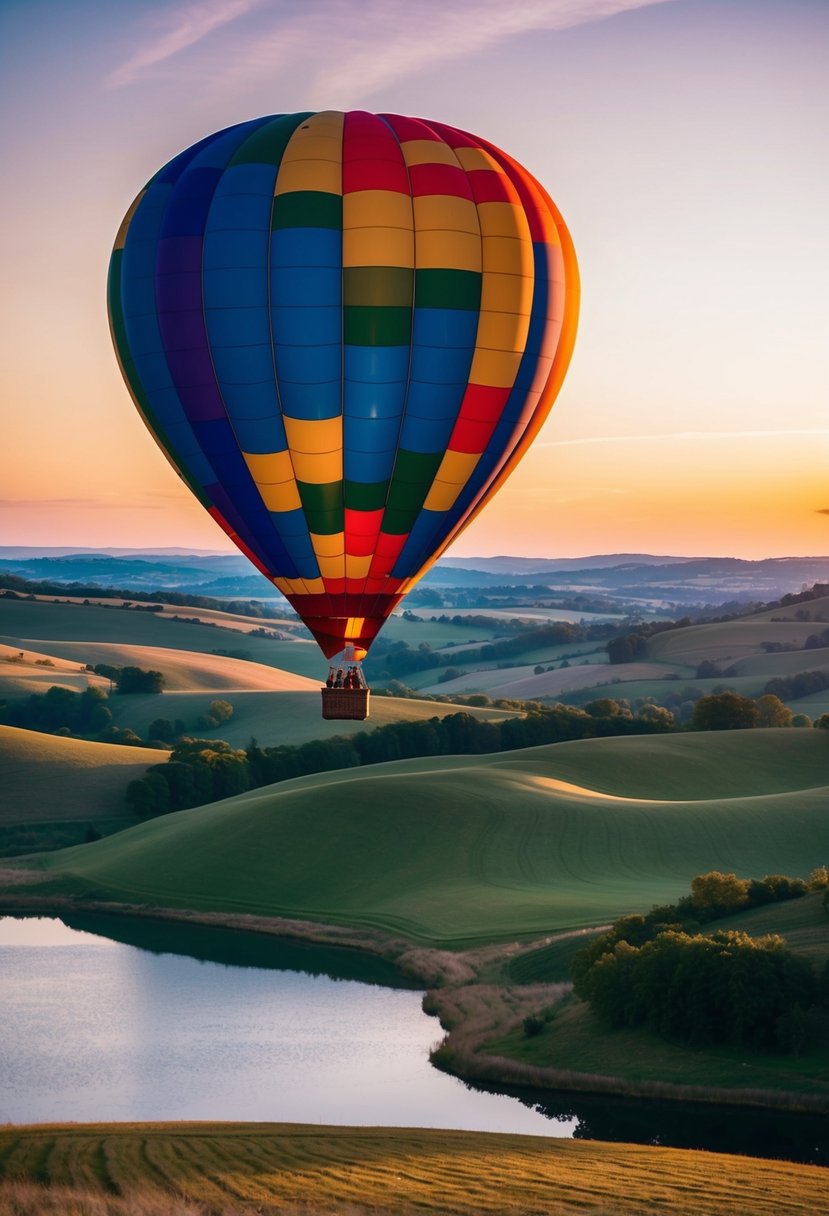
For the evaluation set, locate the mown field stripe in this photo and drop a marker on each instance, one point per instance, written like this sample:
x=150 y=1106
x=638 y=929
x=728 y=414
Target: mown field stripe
x=262 y=1167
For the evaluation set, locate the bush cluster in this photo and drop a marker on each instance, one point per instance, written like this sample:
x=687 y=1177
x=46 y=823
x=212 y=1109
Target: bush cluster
x=662 y=971
x=60 y=709
x=130 y=680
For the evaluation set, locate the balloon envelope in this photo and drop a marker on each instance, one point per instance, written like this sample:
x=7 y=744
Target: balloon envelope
x=343 y=330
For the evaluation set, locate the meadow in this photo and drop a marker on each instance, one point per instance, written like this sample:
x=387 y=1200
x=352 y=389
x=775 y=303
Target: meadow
x=455 y=851
x=55 y=789
x=185 y=1169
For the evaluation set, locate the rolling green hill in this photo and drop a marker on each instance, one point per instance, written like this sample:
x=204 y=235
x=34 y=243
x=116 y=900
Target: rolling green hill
x=727 y=641
x=36 y=623
x=455 y=850
x=803 y=922
x=49 y=778
x=292 y=716
x=53 y=789
x=185 y=671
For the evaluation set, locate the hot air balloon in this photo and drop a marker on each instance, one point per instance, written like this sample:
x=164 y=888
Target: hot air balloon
x=343 y=331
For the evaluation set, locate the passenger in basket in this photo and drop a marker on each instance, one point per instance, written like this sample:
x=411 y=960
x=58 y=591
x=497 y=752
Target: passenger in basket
x=329 y=683
x=338 y=682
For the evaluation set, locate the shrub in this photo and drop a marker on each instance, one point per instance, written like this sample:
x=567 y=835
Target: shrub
x=533 y=1025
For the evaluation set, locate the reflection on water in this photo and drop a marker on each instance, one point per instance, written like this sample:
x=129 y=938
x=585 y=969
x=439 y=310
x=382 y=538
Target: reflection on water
x=97 y=1030
x=232 y=948
x=716 y=1129
x=109 y=1018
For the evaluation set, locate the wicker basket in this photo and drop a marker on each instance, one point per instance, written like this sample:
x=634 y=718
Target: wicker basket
x=352 y=703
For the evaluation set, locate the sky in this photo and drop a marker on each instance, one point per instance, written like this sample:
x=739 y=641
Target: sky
x=683 y=140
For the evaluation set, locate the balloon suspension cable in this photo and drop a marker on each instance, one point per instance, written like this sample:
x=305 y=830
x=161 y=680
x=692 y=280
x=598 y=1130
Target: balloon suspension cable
x=346 y=671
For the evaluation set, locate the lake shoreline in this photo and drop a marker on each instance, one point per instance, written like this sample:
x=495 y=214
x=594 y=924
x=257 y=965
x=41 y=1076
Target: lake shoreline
x=462 y=991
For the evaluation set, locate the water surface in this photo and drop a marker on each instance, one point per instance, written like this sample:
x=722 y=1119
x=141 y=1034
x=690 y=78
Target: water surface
x=97 y=1030
x=111 y=1018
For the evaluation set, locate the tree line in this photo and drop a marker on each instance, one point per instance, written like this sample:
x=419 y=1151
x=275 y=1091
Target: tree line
x=61 y=711
x=17 y=587
x=662 y=970
x=393 y=660
x=222 y=770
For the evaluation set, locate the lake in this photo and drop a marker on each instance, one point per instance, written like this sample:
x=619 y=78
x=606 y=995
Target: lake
x=107 y=1018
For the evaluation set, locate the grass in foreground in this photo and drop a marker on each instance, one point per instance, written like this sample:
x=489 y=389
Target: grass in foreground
x=463 y=850
x=224 y=1169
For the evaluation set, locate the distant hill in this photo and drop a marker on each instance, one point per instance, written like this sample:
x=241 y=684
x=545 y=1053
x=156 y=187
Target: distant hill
x=455 y=850
x=536 y=565
x=627 y=576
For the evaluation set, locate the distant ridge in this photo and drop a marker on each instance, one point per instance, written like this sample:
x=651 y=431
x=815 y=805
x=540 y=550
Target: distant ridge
x=524 y=565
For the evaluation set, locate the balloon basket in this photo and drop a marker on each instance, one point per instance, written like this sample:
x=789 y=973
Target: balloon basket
x=346 y=703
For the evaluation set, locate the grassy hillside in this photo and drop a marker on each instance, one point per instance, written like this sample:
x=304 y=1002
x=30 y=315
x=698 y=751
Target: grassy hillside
x=803 y=922
x=261 y=1167
x=456 y=850
x=522 y=683
x=574 y=1039
x=785 y=664
x=48 y=778
x=292 y=716
x=726 y=642
x=186 y=671
x=34 y=623
x=54 y=789
x=36 y=672
x=30 y=622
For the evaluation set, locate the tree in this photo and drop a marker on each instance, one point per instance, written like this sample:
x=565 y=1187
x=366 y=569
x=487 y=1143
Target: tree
x=626 y=649
x=801 y=720
x=137 y=680
x=819 y=878
x=724 y=711
x=606 y=707
x=772 y=712
x=657 y=715
x=161 y=728
x=718 y=893
x=822 y=723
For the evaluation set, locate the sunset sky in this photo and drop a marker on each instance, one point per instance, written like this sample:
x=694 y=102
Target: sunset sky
x=683 y=140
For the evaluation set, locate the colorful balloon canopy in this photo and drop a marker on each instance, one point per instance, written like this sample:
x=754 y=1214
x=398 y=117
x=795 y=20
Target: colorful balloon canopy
x=343 y=330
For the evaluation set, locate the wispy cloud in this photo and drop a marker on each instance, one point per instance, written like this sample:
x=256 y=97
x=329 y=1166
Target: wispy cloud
x=182 y=27
x=345 y=49
x=674 y=436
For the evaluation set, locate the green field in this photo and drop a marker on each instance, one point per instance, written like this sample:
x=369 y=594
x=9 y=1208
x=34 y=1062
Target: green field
x=38 y=623
x=458 y=850
x=574 y=1039
x=785 y=664
x=276 y=717
x=49 y=778
x=522 y=683
x=33 y=623
x=727 y=641
x=803 y=922
x=227 y=1169
x=53 y=788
